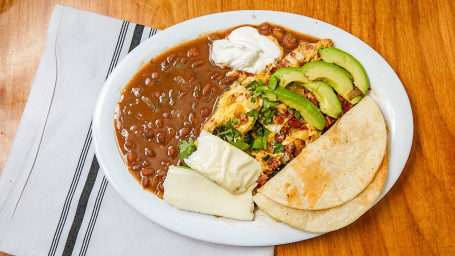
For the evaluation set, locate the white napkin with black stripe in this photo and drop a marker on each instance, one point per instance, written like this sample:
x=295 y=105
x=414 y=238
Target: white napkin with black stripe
x=54 y=199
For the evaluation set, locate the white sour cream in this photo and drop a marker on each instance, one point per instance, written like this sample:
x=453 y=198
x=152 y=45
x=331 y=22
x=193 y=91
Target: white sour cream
x=246 y=50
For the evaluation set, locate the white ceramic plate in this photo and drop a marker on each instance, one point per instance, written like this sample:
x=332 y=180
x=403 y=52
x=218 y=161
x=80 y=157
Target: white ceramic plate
x=387 y=91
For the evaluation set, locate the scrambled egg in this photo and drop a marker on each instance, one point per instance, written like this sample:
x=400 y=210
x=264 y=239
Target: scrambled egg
x=234 y=103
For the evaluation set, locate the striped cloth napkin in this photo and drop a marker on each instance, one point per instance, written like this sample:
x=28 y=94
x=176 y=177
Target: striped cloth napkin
x=54 y=199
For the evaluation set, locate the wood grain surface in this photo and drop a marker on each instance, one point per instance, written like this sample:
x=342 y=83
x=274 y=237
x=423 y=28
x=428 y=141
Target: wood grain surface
x=415 y=37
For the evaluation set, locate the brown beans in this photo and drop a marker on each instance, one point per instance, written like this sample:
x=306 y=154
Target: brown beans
x=130 y=145
x=160 y=187
x=148 y=134
x=166 y=115
x=147 y=172
x=184 y=60
x=147 y=81
x=171 y=131
x=197 y=64
x=192 y=118
x=171 y=58
x=149 y=152
x=131 y=156
x=264 y=29
x=155 y=75
x=228 y=80
x=136 y=167
x=145 y=182
x=290 y=41
x=191 y=79
x=161 y=138
x=184 y=131
x=195 y=132
x=206 y=89
x=171 y=151
x=193 y=53
x=205 y=112
x=159 y=123
x=278 y=33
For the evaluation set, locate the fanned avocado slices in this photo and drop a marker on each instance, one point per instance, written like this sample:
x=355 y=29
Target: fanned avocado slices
x=328 y=101
x=348 y=62
x=308 y=110
x=335 y=76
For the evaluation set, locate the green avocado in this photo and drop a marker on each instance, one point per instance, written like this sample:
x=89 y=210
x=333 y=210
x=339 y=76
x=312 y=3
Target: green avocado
x=328 y=100
x=348 y=62
x=308 y=110
x=335 y=76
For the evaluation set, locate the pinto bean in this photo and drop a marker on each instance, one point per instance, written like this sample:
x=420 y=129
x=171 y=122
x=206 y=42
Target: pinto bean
x=278 y=33
x=290 y=41
x=206 y=89
x=264 y=29
x=193 y=53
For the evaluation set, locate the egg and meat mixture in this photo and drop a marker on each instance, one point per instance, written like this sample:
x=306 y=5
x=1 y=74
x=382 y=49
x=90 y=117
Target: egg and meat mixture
x=271 y=132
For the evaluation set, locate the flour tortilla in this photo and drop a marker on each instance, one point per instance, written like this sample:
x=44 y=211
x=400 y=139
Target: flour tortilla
x=337 y=166
x=321 y=221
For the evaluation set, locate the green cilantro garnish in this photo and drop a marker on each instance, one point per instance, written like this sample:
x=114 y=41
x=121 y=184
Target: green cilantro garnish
x=277 y=147
x=235 y=121
x=268 y=110
x=241 y=144
x=186 y=148
x=268 y=116
x=261 y=138
x=253 y=114
x=251 y=87
x=297 y=114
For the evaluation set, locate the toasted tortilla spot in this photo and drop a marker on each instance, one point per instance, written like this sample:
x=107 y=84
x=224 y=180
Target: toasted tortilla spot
x=337 y=166
x=314 y=178
x=294 y=197
x=321 y=221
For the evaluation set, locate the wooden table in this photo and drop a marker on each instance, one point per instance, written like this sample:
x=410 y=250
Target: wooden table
x=417 y=38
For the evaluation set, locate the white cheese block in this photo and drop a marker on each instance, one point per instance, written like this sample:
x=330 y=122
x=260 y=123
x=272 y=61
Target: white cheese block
x=224 y=164
x=188 y=190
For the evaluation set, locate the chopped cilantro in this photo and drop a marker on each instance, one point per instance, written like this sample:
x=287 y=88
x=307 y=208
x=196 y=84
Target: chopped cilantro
x=266 y=158
x=261 y=138
x=277 y=147
x=251 y=86
x=266 y=104
x=235 y=121
x=186 y=148
x=268 y=116
x=253 y=113
x=297 y=114
x=241 y=144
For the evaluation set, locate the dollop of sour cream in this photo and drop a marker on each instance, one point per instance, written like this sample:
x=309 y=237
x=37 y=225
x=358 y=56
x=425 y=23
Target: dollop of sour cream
x=246 y=50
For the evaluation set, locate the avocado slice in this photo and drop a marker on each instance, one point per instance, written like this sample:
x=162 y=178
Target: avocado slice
x=284 y=76
x=328 y=100
x=308 y=110
x=335 y=76
x=348 y=62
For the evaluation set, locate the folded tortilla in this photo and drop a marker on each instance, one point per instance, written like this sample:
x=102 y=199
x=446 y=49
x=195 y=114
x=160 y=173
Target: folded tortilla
x=321 y=221
x=337 y=166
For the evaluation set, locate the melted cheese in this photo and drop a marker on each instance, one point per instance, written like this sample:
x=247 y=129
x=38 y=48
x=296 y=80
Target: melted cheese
x=224 y=164
x=188 y=190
